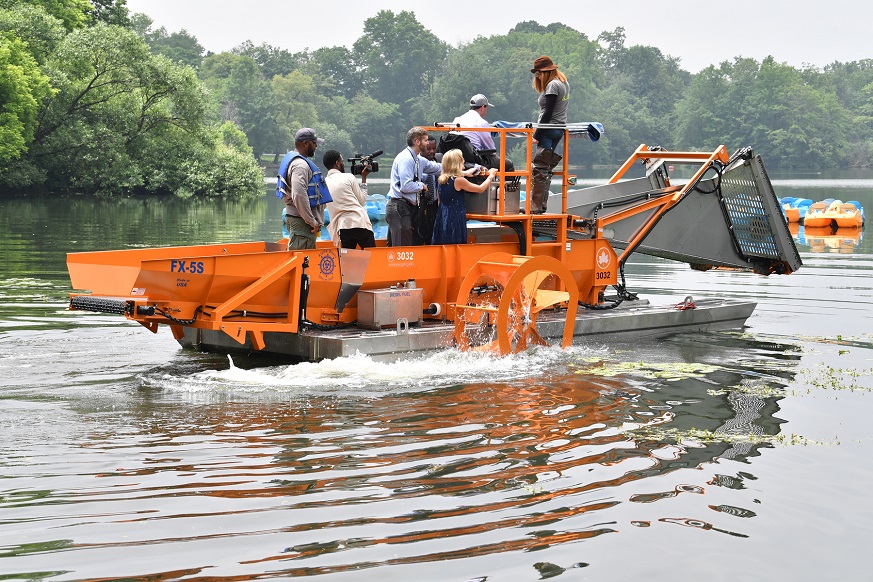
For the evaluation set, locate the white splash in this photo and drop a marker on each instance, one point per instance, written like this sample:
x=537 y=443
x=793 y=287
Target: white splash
x=363 y=376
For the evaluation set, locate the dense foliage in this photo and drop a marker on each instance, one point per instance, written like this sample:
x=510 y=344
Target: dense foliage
x=96 y=112
x=95 y=101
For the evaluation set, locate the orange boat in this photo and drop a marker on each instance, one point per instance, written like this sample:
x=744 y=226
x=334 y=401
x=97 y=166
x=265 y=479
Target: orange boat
x=849 y=216
x=520 y=279
x=820 y=214
x=835 y=214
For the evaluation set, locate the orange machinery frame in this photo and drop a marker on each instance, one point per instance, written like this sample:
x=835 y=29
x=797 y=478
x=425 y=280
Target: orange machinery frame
x=247 y=289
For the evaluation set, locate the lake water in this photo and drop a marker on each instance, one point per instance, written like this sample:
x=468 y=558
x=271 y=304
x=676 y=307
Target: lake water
x=738 y=455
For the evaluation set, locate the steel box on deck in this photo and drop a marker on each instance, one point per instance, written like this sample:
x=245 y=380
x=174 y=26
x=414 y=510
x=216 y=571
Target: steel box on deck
x=378 y=308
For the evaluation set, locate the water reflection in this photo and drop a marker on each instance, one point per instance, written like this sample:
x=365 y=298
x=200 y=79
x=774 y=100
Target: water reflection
x=826 y=239
x=337 y=479
x=265 y=470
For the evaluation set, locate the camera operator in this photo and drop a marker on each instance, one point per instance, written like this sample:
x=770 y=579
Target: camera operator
x=349 y=224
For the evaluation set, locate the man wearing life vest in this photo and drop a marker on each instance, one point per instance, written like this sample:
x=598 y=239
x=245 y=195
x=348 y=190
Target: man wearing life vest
x=303 y=190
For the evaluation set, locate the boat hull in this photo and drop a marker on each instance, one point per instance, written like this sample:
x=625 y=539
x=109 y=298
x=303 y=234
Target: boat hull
x=632 y=319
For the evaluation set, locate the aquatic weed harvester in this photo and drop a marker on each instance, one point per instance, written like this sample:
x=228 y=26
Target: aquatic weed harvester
x=522 y=279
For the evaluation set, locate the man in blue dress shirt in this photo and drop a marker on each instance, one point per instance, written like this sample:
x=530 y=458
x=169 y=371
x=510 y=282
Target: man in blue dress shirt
x=408 y=174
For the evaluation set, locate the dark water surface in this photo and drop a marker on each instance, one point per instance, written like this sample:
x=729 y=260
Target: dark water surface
x=740 y=455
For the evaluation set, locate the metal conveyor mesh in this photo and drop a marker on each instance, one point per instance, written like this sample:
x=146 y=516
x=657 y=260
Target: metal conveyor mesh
x=747 y=214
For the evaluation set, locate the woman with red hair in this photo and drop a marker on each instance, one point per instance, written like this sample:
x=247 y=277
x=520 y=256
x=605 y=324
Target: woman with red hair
x=554 y=92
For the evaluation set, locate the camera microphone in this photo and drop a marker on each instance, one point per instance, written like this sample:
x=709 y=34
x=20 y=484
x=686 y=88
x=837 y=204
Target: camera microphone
x=376 y=154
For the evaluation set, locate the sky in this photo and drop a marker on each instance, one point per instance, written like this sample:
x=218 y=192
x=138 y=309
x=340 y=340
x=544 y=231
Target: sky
x=700 y=33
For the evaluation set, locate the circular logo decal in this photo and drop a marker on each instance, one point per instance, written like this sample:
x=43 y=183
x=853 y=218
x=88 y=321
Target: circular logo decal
x=391 y=256
x=326 y=263
x=603 y=258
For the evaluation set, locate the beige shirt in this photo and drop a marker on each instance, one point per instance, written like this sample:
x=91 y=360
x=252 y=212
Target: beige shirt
x=347 y=209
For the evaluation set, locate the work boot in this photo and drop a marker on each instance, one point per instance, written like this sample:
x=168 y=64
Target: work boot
x=541 y=175
x=539 y=196
x=554 y=161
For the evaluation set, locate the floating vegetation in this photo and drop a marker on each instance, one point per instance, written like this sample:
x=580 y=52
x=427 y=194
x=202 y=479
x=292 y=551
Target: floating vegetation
x=651 y=370
x=704 y=437
x=753 y=387
x=864 y=341
x=827 y=377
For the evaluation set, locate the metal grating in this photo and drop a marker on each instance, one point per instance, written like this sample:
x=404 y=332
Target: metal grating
x=747 y=214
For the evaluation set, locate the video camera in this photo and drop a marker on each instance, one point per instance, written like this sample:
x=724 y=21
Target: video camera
x=360 y=162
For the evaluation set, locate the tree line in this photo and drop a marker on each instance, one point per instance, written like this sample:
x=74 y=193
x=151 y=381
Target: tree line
x=98 y=102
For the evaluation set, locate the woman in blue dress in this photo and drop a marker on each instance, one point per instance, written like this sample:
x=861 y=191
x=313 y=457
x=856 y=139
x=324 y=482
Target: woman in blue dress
x=450 y=227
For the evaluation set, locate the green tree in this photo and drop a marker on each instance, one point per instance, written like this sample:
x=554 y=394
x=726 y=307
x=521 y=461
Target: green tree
x=122 y=121
x=294 y=94
x=220 y=169
x=704 y=111
x=246 y=98
x=535 y=27
x=628 y=124
x=767 y=105
x=180 y=46
x=336 y=71
x=335 y=138
x=111 y=12
x=369 y=123
x=614 y=51
x=141 y=24
x=272 y=60
x=37 y=28
x=23 y=87
x=400 y=59
x=851 y=82
x=74 y=14
x=234 y=138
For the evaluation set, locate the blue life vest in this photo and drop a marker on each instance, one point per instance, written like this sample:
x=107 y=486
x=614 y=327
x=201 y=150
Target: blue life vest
x=317 y=189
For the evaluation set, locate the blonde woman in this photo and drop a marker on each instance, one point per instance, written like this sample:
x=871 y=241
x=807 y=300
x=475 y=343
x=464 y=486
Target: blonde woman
x=451 y=220
x=554 y=92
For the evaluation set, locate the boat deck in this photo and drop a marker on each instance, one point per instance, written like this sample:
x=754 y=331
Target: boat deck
x=632 y=318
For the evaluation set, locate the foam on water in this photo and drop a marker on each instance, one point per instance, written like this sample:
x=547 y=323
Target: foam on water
x=361 y=375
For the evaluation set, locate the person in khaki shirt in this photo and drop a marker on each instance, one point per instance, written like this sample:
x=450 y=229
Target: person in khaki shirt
x=304 y=222
x=349 y=225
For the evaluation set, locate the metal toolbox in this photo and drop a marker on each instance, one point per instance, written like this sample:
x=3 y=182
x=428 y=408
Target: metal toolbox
x=487 y=202
x=378 y=308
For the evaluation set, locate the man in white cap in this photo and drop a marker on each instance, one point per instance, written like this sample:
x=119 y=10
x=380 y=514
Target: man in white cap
x=303 y=217
x=481 y=141
x=475 y=117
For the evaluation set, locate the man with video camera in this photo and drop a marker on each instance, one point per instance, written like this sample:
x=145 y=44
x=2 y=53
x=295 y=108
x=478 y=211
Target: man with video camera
x=349 y=224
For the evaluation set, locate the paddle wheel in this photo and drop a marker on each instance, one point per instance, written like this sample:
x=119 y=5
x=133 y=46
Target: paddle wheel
x=502 y=295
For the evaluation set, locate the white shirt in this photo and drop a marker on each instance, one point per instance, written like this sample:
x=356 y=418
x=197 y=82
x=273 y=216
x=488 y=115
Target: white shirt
x=481 y=140
x=347 y=208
